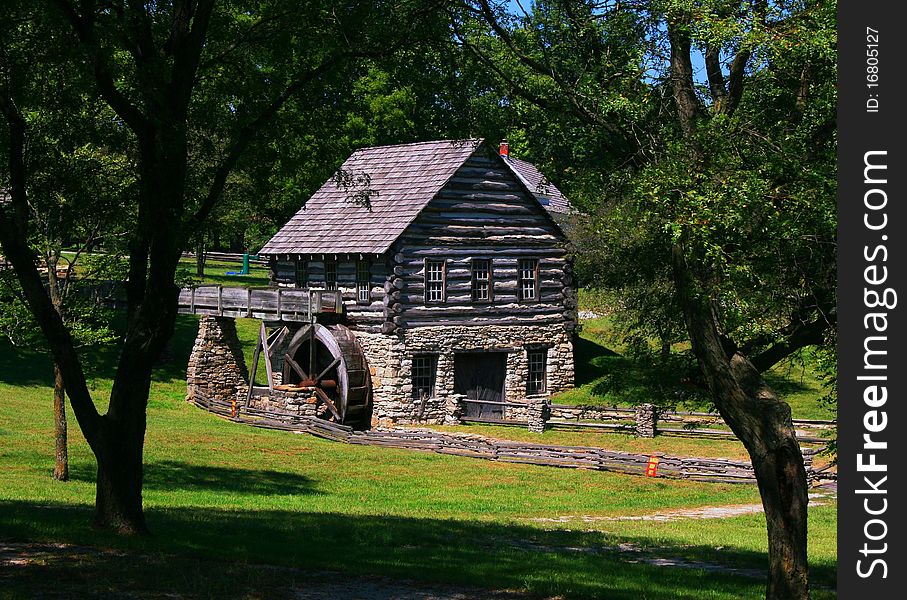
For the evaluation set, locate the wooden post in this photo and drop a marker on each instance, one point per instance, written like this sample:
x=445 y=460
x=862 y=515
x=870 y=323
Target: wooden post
x=252 y=374
x=220 y=300
x=279 y=290
x=248 y=302
x=192 y=301
x=263 y=340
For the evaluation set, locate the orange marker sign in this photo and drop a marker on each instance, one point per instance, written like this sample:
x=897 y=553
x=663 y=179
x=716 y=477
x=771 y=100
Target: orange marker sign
x=652 y=468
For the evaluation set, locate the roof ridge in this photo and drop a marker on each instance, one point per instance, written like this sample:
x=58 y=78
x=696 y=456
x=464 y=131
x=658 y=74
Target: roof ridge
x=464 y=141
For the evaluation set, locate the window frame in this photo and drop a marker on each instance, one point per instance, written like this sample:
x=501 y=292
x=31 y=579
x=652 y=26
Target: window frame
x=302 y=266
x=540 y=374
x=330 y=265
x=432 y=374
x=363 y=282
x=537 y=294
x=488 y=281
x=426 y=281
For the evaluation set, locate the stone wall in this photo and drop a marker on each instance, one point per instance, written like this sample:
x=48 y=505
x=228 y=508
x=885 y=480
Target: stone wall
x=299 y=403
x=217 y=369
x=390 y=361
x=582 y=412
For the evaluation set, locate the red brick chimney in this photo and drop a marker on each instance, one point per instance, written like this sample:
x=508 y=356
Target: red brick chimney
x=505 y=149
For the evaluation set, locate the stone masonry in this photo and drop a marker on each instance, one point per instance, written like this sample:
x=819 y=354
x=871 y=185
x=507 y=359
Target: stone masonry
x=217 y=369
x=390 y=361
x=646 y=417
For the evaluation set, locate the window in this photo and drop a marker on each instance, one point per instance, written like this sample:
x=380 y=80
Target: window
x=363 y=285
x=481 y=280
x=302 y=273
x=330 y=275
x=424 y=367
x=535 y=384
x=434 y=280
x=528 y=274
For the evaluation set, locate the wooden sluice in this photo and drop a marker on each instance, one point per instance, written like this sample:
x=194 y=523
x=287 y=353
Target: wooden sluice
x=268 y=304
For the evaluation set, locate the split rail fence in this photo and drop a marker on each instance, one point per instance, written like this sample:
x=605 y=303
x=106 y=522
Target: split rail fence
x=620 y=419
x=476 y=446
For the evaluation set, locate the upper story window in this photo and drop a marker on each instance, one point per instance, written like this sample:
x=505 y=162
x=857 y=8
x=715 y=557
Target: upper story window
x=535 y=382
x=528 y=279
x=481 y=280
x=302 y=273
x=363 y=284
x=435 y=279
x=330 y=275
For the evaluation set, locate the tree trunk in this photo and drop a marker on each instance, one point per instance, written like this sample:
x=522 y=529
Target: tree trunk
x=200 y=256
x=118 y=497
x=763 y=423
x=61 y=452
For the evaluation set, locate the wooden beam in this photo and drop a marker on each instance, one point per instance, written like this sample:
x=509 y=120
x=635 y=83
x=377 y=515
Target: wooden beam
x=263 y=341
x=327 y=401
x=295 y=366
x=333 y=364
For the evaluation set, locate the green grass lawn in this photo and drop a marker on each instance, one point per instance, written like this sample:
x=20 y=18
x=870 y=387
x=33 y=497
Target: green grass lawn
x=601 y=364
x=219 y=493
x=216 y=272
x=626 y=442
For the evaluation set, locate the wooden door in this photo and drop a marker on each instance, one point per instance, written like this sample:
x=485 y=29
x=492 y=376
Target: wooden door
x=480 y=376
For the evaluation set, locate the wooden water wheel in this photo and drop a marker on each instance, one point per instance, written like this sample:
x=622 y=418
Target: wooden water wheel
x=330 y=360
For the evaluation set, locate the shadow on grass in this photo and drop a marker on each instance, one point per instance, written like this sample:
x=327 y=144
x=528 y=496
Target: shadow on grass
x=212 y=542
x=21 y=367
x=786 y=386
x=173 y=475
x=589 y=356
x=172 y=365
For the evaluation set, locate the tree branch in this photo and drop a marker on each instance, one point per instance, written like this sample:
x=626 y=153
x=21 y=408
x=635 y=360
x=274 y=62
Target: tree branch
x=244 y=137
x=713 y=71
x=83 y=25
x=188 y=36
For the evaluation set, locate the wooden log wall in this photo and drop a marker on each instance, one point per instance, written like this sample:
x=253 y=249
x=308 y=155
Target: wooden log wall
x=483 y=212
x=359 y=316
x=476 y=446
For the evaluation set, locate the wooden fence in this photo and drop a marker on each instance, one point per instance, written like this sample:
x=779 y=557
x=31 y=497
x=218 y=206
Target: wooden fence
x=476 y=446
x=228 y=257
x=620 y=419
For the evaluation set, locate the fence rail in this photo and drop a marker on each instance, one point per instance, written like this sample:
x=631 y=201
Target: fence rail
x=228 y=257
x=622 y=419
x=476 y=446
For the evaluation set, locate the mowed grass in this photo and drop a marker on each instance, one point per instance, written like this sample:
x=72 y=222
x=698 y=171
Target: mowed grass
x=230 y=494
x=625 y=442
x=216 y=272
x=600 y=357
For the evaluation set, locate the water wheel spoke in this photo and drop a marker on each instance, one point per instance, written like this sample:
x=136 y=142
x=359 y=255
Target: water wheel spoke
x=296 y=367
x=324 y=372
x=327 y=401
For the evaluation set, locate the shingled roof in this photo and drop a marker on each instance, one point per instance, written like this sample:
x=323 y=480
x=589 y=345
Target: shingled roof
x=545 y=192
x=397 y=182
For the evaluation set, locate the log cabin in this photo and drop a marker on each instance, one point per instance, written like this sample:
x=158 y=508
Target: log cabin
x=446 y=272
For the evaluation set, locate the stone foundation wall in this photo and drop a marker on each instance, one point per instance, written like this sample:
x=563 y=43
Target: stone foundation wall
x=390 y=360
x=217 y=369
x=300 y=403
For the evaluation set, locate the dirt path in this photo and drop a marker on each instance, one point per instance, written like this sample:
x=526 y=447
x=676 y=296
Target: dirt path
x=703 y=512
